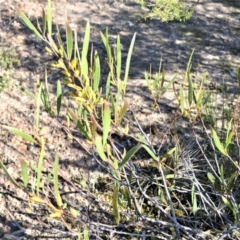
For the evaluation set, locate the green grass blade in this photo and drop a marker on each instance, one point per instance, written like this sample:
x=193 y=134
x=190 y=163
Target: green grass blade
x=20 y=134
x=108 y=84
x=129 y=59
x=116 y=213
x=100 y=149
x=190 y=91
x=230 y=134
x=29 y=24
x=53 y=44
x=217 y=143
x=59 y=96
x=151 y=153
x=24 y=170
x=85 y=234
x=169 y=84
x=84 y=63
x=96 y=72
x=119 y=57
x=55 y=181
x=123 y=110
x=194 y=201
x=8 y=174
x=200 y=97
x=40 y=165
x=188 y=67
x=60 y=43
x=44 y=22
x=211 y=178
x=105 y=40
x=28 y=93
x=133 y=151
x=69 y=39
x=130 y=154
x=106 y=121
x=231 y=181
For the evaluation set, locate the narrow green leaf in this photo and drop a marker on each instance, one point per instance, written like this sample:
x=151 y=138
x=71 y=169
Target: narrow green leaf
x=8 y=174
x=118 y=57
x=40 y=165
x=231 y=180
x=24 y=170
x=85 y=234
x=150 y=152
x=130 y=154
x=106 y=121
x=190 y=91
x=20 y=134
x=44 y=22
x=227 y=203
x=169 y=84
x=60 y=43
x=84 y=62
x=116 y=213
x=141 y=138
x=188 y=67
x=108 y=84
x=230 y=134
x=200 y=97
x=123 y=110
x=105 y=40
x=129 y=59
x=29 y=24
x=53 y=44
x=207 y=98
x=222 y=173
x=229 y=139
x=217 y=143
x=211 y=178
x=168 y=154
x=55 y=182
x=80 y=126
x=96 y=72
x=28 y=93
x=133 y=151
x=69 y=39
x=100 y=149
x=194 y=201
x=59 y=96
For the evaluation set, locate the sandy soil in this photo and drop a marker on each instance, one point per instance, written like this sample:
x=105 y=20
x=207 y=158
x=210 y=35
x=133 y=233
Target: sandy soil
x=213 y=31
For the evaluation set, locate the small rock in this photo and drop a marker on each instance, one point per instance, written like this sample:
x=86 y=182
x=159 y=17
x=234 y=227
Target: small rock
x=44 y=130
x=22 y=147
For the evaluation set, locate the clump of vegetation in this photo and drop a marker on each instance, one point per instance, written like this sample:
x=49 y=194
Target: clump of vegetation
x=165 y=10
x=188 y=190
x=8 y=59
x=5 y=81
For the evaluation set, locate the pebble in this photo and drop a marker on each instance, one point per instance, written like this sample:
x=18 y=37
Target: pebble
x=44 y=130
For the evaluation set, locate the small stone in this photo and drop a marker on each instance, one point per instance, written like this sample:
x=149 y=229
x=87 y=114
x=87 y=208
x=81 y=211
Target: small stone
x=22 y=147
x=44 y=130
